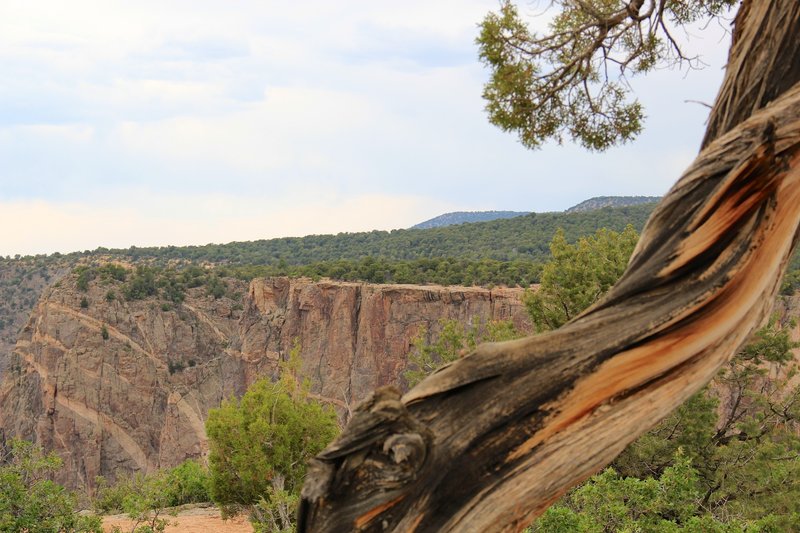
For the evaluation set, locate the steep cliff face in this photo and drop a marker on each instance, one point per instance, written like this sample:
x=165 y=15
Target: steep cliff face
x=21 y=284
x=357 y=336
x=116 y=386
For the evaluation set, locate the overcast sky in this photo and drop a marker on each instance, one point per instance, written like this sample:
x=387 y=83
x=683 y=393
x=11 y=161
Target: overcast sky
x=177 y=122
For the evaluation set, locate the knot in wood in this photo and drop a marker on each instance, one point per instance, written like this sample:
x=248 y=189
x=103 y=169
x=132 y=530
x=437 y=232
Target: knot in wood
x=359 y=481
x=406 y=448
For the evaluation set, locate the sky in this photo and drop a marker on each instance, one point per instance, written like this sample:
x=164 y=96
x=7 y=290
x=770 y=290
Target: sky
x=152 y=123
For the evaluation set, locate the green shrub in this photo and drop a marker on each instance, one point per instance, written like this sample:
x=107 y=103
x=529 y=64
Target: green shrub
x=112 y=271
x=144 y=498
x=186 y=483
x=108 y=498
x=141 y=284
x=173 y=288
x=190 y=482
x=260 y=446
x=85 y=275
x=790 y=282
x=215 y=287
x=578 y=275
x=453 y=341
x=30 y=501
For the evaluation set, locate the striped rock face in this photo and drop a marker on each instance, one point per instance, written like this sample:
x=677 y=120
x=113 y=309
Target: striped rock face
x=117 y=387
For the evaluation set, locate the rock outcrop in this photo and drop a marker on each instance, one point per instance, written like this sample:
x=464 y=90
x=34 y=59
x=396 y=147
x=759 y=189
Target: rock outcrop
x=599 y=202
x=118 y=386
x=22 y=282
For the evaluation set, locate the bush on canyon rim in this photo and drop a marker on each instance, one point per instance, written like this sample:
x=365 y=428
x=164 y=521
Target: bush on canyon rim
x=260 y=445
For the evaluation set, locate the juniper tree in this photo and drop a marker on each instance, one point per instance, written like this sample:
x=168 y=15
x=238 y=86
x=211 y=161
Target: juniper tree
x=488 y=442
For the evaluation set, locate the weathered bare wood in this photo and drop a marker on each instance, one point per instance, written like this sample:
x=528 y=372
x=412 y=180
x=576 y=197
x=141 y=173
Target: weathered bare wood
x=488 y=442
x=762 y=64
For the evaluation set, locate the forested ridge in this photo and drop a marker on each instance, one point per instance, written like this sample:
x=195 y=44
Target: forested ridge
x=524 y=237
x=463 y=217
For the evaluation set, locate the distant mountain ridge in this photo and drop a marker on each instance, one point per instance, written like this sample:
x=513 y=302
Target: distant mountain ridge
x=462 y=217
x=599 y=202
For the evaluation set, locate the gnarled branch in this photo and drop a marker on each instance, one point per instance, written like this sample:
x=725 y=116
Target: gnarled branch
x=488 y=442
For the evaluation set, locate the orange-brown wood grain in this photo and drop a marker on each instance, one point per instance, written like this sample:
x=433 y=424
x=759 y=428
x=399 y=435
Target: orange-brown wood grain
x=504 y=431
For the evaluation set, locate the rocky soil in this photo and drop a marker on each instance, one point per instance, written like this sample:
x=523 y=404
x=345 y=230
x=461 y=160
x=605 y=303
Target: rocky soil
x=193 y=520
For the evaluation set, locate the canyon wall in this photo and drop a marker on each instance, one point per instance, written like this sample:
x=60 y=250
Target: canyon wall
x=117 y=386
x=21 y=285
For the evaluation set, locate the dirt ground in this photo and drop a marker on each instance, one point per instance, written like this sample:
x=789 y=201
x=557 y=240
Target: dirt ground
x=193 y=520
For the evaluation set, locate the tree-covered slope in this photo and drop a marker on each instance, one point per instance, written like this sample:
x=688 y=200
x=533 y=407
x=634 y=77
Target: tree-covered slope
x=524 y=237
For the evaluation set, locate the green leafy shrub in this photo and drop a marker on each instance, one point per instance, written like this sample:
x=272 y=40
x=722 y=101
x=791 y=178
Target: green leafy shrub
x=30 y=501
x=667 y=503
x=215 y=287
x=85 y=275
x=261 y=443
x=147 y=497
x=144 y=498
x=111 y=271
x=141 y=284
x=790 y=282
x=190 y=482
x=578 y=274
x=108 y=498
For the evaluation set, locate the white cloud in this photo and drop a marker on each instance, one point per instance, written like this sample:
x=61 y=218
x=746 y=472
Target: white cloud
x=261 y=99
x=59 y=133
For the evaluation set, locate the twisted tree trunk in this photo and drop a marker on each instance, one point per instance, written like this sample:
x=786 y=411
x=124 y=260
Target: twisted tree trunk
x=488 y=442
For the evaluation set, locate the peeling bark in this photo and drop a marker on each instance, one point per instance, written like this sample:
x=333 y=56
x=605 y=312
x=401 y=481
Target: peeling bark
x=488 y=442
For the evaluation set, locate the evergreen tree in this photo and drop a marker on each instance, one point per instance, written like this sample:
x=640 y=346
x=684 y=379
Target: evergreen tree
x=260 y=445
x=578 y=275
